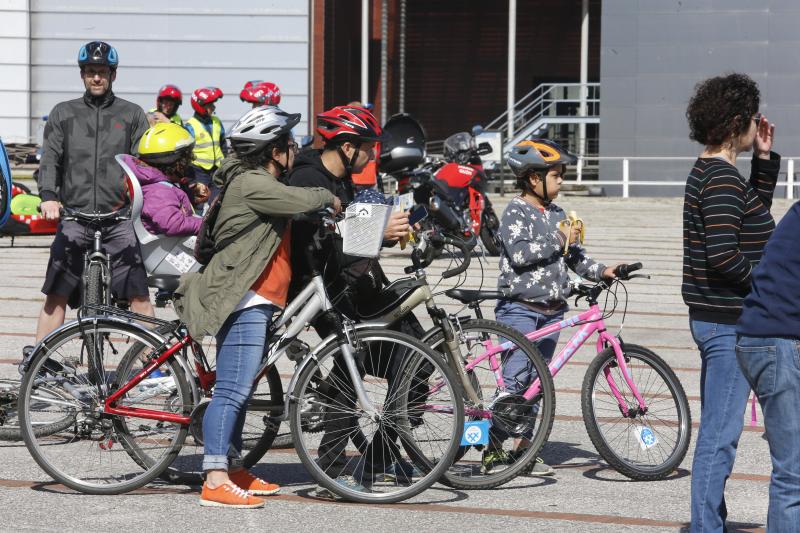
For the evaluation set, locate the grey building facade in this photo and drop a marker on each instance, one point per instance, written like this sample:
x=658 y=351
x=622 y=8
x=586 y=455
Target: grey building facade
x=653 y=52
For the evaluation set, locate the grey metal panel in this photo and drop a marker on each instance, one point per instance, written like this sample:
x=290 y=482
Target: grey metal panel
x=676 y=44
x=190 y=43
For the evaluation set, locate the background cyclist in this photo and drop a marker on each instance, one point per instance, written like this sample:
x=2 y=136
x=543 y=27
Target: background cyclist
x=78 y=171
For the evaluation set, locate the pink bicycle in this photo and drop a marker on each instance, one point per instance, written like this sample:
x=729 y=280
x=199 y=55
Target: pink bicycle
x=634 y=407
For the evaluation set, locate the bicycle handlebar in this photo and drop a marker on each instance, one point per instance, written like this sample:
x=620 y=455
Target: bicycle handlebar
x=67 y=213
x=623 y=272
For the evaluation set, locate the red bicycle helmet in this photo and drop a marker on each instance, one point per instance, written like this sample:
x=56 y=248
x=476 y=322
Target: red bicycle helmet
x=170 y=91
x=267 y=93
x=349 y=123
x=203 y=97
x=246 y=95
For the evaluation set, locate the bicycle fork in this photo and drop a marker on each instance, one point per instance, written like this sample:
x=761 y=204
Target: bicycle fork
x=455 y=359
x=605 y=340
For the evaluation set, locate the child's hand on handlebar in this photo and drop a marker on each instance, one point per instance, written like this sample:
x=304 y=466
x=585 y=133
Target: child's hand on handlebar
x=397 y=228
x=50 y=210
x=337 y=205
x=610 y=272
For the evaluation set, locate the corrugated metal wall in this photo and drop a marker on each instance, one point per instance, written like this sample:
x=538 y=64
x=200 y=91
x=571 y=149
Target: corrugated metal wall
x=14 y=70
x=191 y=43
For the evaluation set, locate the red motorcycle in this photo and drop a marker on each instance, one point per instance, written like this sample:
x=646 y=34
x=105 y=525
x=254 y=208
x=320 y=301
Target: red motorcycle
x=464 y=175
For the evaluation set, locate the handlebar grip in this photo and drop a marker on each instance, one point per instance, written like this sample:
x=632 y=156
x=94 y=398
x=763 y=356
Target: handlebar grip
x=623 y=271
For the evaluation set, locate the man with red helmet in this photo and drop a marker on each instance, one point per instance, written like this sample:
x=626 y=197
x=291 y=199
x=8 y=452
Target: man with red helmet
x=350 y=134
x=209 y=136
x=260 y=93
x=168 y=101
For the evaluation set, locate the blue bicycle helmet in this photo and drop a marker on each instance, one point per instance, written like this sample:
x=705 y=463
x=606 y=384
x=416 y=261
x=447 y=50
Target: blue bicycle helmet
x=98 y=53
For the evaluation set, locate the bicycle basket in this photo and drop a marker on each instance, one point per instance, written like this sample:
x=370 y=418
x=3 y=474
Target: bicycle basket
x=362 y=229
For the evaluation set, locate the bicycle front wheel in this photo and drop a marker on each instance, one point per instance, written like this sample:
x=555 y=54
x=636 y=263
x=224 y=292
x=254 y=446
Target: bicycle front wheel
x=518 y=428
x=401 y=452
x=644 y=446
x=99 y=453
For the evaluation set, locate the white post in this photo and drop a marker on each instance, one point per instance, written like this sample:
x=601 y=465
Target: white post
x=364 y=51
x=512 y=57
x=584 y=89
x=580 y=169
x=626 y=177
x=790 y=180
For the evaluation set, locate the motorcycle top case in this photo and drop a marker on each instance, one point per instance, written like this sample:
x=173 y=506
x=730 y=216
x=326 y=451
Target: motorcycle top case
x=405 y=148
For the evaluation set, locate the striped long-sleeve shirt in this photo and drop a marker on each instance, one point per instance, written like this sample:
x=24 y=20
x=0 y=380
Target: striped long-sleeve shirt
x=726 y=224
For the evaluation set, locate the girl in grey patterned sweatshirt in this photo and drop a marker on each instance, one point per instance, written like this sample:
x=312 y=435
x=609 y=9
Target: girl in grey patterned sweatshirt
x=533 y=268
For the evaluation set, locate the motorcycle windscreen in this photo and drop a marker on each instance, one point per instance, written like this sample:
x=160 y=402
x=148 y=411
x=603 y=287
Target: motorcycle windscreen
x=5 y=185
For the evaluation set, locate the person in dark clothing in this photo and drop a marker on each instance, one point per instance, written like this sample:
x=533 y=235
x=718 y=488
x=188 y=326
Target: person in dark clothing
x=78 y=171
x=726 y=221
x=350 y=134
x=768 y=351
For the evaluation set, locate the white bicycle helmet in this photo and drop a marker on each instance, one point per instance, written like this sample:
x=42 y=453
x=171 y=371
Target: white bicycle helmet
x=259 y=127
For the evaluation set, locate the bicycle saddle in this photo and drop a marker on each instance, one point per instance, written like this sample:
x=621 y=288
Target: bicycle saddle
x=468 y=296
x=167 y=283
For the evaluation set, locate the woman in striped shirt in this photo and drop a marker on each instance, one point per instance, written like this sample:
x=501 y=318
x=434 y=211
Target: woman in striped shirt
x=726 y=223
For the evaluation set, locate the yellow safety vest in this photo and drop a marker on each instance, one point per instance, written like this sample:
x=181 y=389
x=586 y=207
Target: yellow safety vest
x=176 y=118
x=207 y=148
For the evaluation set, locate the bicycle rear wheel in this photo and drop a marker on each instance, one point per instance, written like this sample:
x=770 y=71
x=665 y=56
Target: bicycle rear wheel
x=643 y=446
x=92 y=455
x=519 y=429
x=264 y=405
x=373 y=461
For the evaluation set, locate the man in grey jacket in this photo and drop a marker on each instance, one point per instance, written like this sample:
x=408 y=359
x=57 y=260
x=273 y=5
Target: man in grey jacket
x=78 y=171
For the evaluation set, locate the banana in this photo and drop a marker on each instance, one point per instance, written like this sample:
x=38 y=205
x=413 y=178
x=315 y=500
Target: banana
x=572 y=221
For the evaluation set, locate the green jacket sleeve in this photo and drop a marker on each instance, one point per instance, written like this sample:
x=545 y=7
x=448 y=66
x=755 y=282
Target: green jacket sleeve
x=282 y=200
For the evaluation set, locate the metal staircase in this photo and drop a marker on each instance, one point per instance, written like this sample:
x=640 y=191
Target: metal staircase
x=551 y=106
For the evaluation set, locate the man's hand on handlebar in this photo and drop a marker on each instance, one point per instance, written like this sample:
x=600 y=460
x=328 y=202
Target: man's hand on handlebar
x=50 y=210
x=397 y=228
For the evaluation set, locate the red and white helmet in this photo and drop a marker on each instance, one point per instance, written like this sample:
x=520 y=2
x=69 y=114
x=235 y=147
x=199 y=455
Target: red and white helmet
x=170 y=91
x=246 y=95
x=203 y=97
x=349 y=123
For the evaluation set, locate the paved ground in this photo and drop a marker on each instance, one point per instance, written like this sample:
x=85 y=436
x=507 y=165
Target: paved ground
x=585 y=495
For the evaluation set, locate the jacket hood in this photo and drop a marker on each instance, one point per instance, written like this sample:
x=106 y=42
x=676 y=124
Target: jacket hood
x=229 y=168
x=146 y=174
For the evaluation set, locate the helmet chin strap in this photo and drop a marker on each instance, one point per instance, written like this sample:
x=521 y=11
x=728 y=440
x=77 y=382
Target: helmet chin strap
x=348 y=164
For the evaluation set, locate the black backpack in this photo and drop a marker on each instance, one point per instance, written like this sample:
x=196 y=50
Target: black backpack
x=206 y=246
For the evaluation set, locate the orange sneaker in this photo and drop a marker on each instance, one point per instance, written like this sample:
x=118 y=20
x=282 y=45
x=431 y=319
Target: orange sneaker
x=229 y=496
x=253 y=484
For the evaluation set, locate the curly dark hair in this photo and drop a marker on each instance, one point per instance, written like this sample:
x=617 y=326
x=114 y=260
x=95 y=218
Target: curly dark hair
x=721 y=108
x=260 y=158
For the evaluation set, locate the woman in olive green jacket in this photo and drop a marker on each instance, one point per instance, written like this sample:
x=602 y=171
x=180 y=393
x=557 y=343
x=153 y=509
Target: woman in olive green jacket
x=235 y=295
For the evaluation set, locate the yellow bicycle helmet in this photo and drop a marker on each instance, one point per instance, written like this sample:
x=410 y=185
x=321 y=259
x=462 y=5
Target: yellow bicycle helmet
x=164 y=144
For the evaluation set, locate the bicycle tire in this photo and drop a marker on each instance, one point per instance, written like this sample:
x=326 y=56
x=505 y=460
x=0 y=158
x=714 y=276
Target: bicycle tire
x=93 y=430
x=94 y=292
x=465 y=476
x=10 y=430
x=591 y=402
x=396 y=417
x=488 y=233
x=187 y=468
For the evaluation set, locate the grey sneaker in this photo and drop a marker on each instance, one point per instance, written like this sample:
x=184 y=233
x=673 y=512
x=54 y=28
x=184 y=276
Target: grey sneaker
x=541 y=469
x=348 y=482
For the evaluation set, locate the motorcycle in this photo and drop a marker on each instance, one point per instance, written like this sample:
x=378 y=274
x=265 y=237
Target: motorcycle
x=464 y=174
x=403 y=157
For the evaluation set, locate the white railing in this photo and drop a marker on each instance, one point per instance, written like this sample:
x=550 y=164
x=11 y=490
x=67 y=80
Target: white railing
x=626 y=180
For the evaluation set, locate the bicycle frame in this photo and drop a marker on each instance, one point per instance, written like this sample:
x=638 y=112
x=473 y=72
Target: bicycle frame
x=311 y=301
x=590 y=322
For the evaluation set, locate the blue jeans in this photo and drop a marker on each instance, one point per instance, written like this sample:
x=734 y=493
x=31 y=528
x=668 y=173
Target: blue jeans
x=772 y=367
x=723 y=400
x=240 y=347
x=518 y=372
x=517 y=369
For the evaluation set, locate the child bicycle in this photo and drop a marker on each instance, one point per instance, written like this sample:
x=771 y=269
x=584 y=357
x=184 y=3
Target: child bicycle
x=124 y=437
x=634 y=407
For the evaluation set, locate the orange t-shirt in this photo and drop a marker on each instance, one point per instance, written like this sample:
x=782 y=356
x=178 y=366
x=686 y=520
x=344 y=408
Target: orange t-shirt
x=273 y=283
